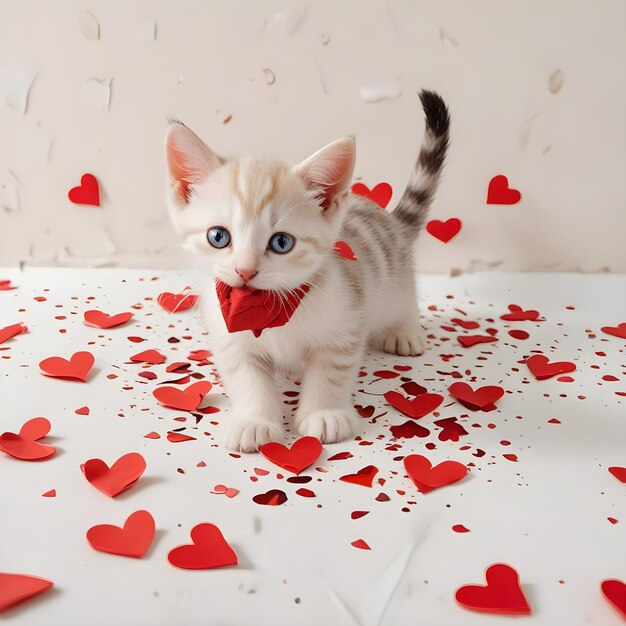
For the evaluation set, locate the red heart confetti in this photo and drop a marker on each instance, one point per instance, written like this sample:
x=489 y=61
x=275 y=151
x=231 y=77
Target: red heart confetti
x=502 y=594
x=177 y=302
x=426 y=477
x=77 y=368
x=188 y=399
x=444 y=231
x=409 y=430
x=344 y=250
x=459 y=528
x=122 y=475
x=467 y=341
x=98 y=319
x=483 y=398
x=88 y=192
x=153 y=357
x=179 y=437
x=363 y=477
x=208 y=550
x=16 y=588
x=8 y=332
x=24 y=445
x=50 y=494
x=499 y=191
x=517 y=314
x=359 y=543
x=541 y=367
x=380 y=194
x=614 y=591
x=133 y=539
x=416 y=407
x=303 y=453
x=273 y=497
x=5 y=285
x=616 y=331
x=619 y=473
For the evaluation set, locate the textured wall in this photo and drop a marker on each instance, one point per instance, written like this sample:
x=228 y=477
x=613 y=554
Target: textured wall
x=536 y=91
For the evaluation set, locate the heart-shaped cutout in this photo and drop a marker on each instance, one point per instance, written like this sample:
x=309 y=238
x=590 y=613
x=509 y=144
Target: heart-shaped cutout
x=616 y=331
x=303 y=453
x=344 y=250
x=132 y=540
x=408 y=430
x=482 y=398
x=88 y=192
x=16 y=588
x=467 y=341
x=542 y=368
x=188 y=399
x=502 y=594
x=499 y=191
x=77 y=368
x=444 y=231
x=122 y=475
x=11 y=331
x=415 y=407
x=273 y=497
x=177 y=302
x=98 y=319
x=614 y=591
x=364 y=477
x=24 y=445
x=619 y=473
x=208 y=550
x=426 y=477
x=517 y=314
x=153 y=357
x=380 y=194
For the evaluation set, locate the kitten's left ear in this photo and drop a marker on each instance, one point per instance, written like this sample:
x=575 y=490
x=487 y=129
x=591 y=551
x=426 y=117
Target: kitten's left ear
x=329 y=171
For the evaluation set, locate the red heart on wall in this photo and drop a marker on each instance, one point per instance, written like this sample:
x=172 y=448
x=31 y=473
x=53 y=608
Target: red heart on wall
x=208 y=550
x=499 y=191
x=426 y=477
x=98 y=319
x=381 y=194
x=87 y=192
x=539 y=365
x=122 y=475
x=302 y=453
x=77 y=368
x=133 y=539
x=415 y=407
x=614 y=591
x=15 y=588
x=444 y=231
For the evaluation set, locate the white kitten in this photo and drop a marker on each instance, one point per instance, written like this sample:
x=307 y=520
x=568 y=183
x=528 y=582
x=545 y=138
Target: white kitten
x=273 y=227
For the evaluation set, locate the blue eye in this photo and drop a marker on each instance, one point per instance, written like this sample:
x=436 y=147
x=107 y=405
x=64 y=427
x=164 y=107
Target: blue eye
x=281 y=243
x=218 y=237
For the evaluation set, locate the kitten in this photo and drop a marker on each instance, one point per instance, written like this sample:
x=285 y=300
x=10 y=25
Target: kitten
x=262 y=223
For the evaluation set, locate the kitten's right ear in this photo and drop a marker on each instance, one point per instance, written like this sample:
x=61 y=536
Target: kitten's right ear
x=189 y=161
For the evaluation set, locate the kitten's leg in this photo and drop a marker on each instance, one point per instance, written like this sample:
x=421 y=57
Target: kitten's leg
x=325 y=409
x=405 y=339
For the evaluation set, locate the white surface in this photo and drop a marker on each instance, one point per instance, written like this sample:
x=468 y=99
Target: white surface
x=546 y=515
x=202 y=61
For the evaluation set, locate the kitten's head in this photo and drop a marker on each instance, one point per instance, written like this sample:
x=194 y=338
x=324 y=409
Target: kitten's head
x=257 y=221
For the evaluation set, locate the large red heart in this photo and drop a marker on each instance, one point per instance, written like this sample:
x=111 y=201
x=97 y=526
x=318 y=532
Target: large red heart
x=122 y=475
x=208 y=550
x=77 y=368
x=363 y=477
x=619 y=473
x=176 y=302
x=87 y=192
x=539 y=365
x=188 y=399
x=98 y=319
x=250 y=309
x=415 y=407
x=426 y=477
x=10 y=331
x=499 y=191
x=302 y=453
x=614 y=591
x=15 y=588
x=344 y=250
x=483 y=398
x=616 y=331
x=518 y=314
x=502 y=594
x=24 y=445
x=133 y=539
x=444 y=231
x=381 y=194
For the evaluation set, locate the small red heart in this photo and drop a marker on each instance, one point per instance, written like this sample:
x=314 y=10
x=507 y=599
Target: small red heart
x=11 y=331
x=132 y=540
x=176 y=302
x=614 y=591
x=208 y=550
x=619 y=473
x=444 y=231
x=15 y=588
x=188 y=399
x=344 y=250
x=467 y=341
x=381 y=194
x=409 y=430
x=273 y=497
x=502 y=594
x=359 y=543
x=304 y=452
x=483 y=398
x=148 y=356
x=415 y=407
x=363 y=477
x=87 y=192
x=24 y=445
x=426 y=477
x=499 y=191
x=539 y=365
x=518 y=314
x=98 y=319
x=616 y=331
x=5 y=285
x=77 y=368
x=122 y=475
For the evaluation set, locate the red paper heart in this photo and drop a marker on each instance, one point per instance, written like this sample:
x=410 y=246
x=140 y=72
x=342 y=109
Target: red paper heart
x=24 y=445
x=208 y=550
x=359 y=543
x=98 y=319
x=11 y=331
x=273 y=497
x=499 y=191
x=302 y=453
x=344 y=250
x=87 y=192
x=518 y=314
x=250 y=309
x=381 y=194
x=77 y=368
x=188 y=399
x=614 y=591
x=408 y=430
x=148 y=356
x=5 y=285
x=426 y=477
x=502 y=594
x=616 y=331
x=122 y=475
x=177 y=302
x=15 y=588
x=539 y=365
x=467 y=341
x=619 y=473
x=444 y=231
x=132 y=540
x=363 y=477
x=415 y=407
x=483 y=398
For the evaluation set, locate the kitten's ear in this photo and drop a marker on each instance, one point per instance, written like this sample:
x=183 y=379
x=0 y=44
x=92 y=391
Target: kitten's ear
x=189 y=161
x=329 y=170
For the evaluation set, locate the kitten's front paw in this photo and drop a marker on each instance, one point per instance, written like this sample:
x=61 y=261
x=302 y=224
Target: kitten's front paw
x=249 y=436
x=328 y=425
x=405 y=342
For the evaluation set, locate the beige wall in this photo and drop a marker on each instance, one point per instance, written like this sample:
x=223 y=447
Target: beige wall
x=203 y=61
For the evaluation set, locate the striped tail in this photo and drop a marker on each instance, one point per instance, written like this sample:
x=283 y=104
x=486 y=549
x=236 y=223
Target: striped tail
x=418 y=195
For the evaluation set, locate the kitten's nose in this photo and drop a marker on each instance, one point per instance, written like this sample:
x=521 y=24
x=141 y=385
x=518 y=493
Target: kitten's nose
x=246 y=273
